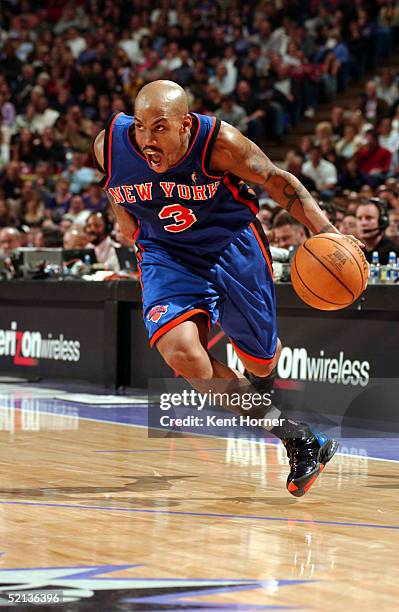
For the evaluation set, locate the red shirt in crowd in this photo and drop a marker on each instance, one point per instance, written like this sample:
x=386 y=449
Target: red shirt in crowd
x=374 y=159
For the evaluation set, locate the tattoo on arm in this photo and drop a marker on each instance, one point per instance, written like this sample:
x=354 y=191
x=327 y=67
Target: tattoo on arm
x=259 y=164
x=286 y=190
x=294 y=194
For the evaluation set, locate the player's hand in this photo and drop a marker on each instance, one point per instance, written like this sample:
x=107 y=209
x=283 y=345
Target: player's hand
x=358 y=242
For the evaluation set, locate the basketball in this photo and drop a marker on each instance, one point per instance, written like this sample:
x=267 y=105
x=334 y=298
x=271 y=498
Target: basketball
x=329 y=271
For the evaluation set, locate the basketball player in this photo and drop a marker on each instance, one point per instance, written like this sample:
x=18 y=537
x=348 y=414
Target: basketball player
x=172 y=178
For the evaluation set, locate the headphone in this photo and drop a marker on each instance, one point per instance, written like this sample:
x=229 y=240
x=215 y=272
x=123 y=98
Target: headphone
x=383 y=218
x=108 y=225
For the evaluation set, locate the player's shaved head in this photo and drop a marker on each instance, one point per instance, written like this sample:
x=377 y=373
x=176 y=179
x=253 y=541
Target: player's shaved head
x=162 y=96
x=162 y=123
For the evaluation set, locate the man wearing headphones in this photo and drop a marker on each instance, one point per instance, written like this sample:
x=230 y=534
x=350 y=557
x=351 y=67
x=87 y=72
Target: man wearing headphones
x=98 y=230
x=372 y=220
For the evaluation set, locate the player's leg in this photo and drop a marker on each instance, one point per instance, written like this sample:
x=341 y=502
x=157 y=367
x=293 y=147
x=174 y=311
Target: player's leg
x=248 y=317
x=178 y=307
x=184 y=348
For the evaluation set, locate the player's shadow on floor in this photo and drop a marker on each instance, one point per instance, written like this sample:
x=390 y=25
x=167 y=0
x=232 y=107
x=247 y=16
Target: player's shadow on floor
x=141 y=484
x=266 y=501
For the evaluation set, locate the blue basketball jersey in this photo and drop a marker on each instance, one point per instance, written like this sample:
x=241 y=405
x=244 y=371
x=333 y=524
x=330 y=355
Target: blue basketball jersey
x=187 y=208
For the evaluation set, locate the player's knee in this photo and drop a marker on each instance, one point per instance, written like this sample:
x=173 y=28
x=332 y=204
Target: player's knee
x=189 y=361
x=265 y=369
x=261 y=369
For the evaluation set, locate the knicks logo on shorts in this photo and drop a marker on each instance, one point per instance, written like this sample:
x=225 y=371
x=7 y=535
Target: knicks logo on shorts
x=156 y=313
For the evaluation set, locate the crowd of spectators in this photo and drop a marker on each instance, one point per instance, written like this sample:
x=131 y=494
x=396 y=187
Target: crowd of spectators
x=349 y=160
x=262 y=66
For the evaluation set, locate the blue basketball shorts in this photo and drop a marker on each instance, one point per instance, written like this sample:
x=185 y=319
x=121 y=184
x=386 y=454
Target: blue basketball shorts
x=235 y=288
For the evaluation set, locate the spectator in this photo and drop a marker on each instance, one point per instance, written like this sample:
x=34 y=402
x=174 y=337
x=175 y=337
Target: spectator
x=22 y=146
x=330 y=211
x=373 y=107
x=287 y=232
x=366 y=192
x=184 y=73
x=293 y=164
x=337 y=122
x=370 y=232
x=255 y=115
x=45 y=116
x=77 y=211
x=224 y=80
x=94 y=198
x=392 y=231
x=65 y=223
x=353 y=200
x=10 y=239
x=6 y=218
x=49 y=149
x=75 y=238
x=323 y=132
x=25 y=120
x=361 y=124
x=349 y=224
x=321 y=171
x=98 y=230
x=11 y=181
x=78 y=130
x=59 y=203
x=33 y=211
x=44 y=182
x=265 y=216
x=4 y=149
x=348 y=145
x=7 y=108
x=387 y=87
x=79 y=175
x=388 y=194
x=389 y=139
x=373 y=159
x=232 y=113
x=352 y=178
x=52 y=237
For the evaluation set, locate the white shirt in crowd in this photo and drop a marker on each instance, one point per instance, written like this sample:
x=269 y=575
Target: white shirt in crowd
x=323 y=174
x=44 y=120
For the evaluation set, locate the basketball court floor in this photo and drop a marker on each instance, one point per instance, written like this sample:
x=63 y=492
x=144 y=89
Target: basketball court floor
x=95 y=515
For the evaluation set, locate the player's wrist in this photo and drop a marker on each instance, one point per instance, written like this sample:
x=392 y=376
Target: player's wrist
x=327 y=228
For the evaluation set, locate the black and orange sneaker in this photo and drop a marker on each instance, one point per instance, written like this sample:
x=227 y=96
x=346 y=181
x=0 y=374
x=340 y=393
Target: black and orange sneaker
x=308 y=455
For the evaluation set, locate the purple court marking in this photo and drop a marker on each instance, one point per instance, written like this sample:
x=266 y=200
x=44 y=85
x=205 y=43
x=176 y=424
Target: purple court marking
x=162 y=450
x=173 y=597
x=235 y=607
x=201 y=514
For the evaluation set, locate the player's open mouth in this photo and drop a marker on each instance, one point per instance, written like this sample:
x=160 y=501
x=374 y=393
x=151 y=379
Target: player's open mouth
x=154 y=158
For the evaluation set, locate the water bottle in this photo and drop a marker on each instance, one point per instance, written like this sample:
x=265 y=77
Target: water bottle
x=392 y=268
x=375 y=268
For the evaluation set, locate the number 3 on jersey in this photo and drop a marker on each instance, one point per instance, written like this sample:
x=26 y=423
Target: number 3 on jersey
x=183 y=217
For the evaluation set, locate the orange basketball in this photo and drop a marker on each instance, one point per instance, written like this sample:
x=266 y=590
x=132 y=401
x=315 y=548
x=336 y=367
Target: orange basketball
x=329 y=271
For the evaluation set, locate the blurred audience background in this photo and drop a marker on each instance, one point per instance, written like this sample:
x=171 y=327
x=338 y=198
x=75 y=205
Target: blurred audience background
x=263 y=66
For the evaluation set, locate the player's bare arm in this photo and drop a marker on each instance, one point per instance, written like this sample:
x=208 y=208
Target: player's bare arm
x=234 y=153
x=126 y=222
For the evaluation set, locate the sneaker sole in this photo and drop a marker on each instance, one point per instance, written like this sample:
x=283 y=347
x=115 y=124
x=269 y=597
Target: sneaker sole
x=300 y=486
